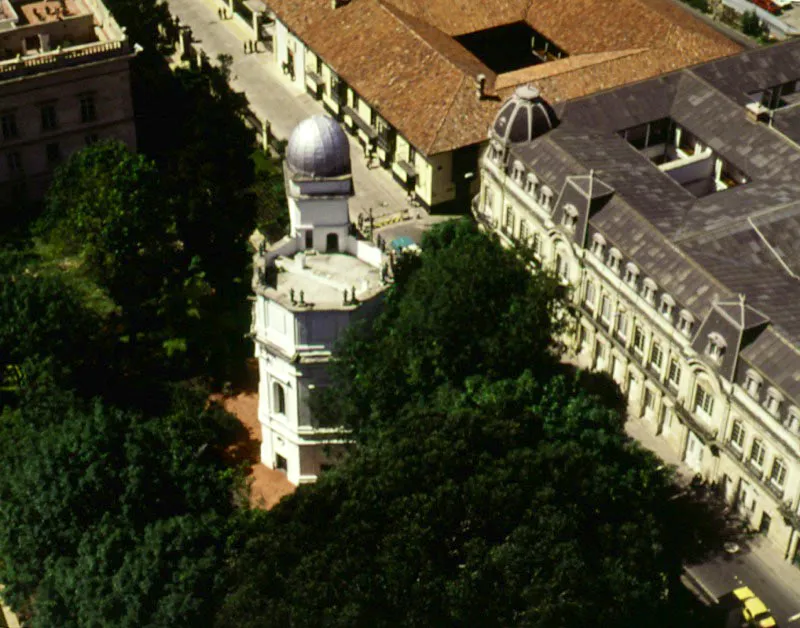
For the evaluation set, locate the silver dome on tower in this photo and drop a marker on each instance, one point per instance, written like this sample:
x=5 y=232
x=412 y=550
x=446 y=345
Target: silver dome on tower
x=523 y=117
x=318 y=148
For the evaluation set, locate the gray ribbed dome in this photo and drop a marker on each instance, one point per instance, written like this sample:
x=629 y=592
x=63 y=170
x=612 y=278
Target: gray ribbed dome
x=318 y=147
x=523 y=117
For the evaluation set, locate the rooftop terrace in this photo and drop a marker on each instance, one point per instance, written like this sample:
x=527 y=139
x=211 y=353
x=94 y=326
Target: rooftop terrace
x=320 y=281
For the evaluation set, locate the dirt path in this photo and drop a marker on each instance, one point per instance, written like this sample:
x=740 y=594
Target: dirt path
x=267 y=486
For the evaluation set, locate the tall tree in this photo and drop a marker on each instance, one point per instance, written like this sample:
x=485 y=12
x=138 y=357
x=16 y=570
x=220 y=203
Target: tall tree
x=465 y=306
x=110 y=518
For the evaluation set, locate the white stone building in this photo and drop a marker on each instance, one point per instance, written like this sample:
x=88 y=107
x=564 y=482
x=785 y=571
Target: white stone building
x=672 y=207
x=310 y=286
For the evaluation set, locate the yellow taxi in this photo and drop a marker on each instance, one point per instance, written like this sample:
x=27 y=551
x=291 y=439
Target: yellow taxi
x=754 y=611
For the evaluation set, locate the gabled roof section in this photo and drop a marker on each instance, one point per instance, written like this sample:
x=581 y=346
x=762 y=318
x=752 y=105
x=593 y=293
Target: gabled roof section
x=400 y=55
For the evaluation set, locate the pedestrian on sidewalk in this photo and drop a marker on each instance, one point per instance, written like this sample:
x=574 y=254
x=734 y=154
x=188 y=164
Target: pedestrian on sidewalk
x=219 y=12
x=244 y=46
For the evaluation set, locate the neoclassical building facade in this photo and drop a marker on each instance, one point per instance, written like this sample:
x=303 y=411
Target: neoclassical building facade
x=64 y=84
x=672 y=208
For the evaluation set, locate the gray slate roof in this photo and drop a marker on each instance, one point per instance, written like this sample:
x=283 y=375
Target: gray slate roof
x=744 y=240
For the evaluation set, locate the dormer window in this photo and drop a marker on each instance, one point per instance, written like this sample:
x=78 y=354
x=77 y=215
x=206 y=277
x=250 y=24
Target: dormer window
x=773 y=401
x=793 y=420
x=531 y=181
x=598 y=245
x=614 y=260
x=716 y=346
x=570 y=217
x=666 y=307
x=546 y=197
x=631 y=274
x=752 y=383
x=686 y=323
x=649 y=288
x=496 y=152
x=518 y=172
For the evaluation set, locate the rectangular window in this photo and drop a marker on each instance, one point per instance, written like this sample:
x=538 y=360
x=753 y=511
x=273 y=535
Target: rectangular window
x=674 y=377
x=562 y=267
x=49 y=119
x=605 y=308
x=14 y=161
x=590 y=294
x=523 y=231
x=638 y=340
x=757 y=453
x=649 y=399
x=656 y=356
x=88 y=111
x=91 y=138
x=622 y=326
x=778 y=474
x=9 y=124
x=737 y=435
x=537 y=245
x=508 y=219
x=53 y=152
x=703 y=401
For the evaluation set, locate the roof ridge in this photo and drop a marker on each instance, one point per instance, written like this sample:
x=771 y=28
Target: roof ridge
x=400 y=15
x=447 y=111
x=554 y=70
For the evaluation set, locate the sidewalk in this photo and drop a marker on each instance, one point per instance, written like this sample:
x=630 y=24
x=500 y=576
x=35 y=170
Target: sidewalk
x=284 y=105
x=760 y=564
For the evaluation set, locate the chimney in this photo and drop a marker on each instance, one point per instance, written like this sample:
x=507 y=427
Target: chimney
x=756 y=112
x=481 y=87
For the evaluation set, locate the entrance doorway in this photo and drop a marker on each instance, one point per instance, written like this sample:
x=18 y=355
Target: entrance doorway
x=766 y=520
x=694 y=452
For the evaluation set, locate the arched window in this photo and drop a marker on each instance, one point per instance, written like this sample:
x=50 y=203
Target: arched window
x=649 y=288
x=332 y=243
x=598 y=245
x=667 y=305
x=631 y=274
x=686 y=323
x=716 y=346
x=531 y=182
x=752 y=383
x=518 y=171
x=570 y=217
x=614 y=259
x=278 y=398
x=773 y=401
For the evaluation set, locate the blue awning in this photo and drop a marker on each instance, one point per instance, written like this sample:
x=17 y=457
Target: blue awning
x=398 y=244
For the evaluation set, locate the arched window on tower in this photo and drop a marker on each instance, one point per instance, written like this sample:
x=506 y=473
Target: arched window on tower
x=332 y=243
x=278 y=398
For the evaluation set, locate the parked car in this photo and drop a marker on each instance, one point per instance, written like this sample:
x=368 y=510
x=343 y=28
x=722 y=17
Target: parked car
x=755 y=613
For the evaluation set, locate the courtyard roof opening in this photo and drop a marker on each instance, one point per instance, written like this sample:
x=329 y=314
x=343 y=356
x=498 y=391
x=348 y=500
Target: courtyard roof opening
x=510 y=47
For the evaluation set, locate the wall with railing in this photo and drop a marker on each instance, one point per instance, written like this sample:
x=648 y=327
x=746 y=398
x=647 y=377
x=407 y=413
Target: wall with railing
x=57 y=59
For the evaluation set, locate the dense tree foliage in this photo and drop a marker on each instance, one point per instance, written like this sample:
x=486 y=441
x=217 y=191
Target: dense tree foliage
x=488 y=485
x=110 y=518
x=45 y=322
x=465 y=307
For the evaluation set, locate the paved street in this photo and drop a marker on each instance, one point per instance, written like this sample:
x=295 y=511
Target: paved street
x=761 y=568
x=759 y=565
x=283 y=105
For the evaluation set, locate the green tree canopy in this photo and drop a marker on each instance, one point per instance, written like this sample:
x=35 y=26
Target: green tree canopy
x=487 y=486
x=110 y=518
x=511 y=503
x=465 y=306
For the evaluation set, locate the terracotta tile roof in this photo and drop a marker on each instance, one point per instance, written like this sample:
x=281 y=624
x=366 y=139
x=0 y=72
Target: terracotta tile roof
x=400 y=56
